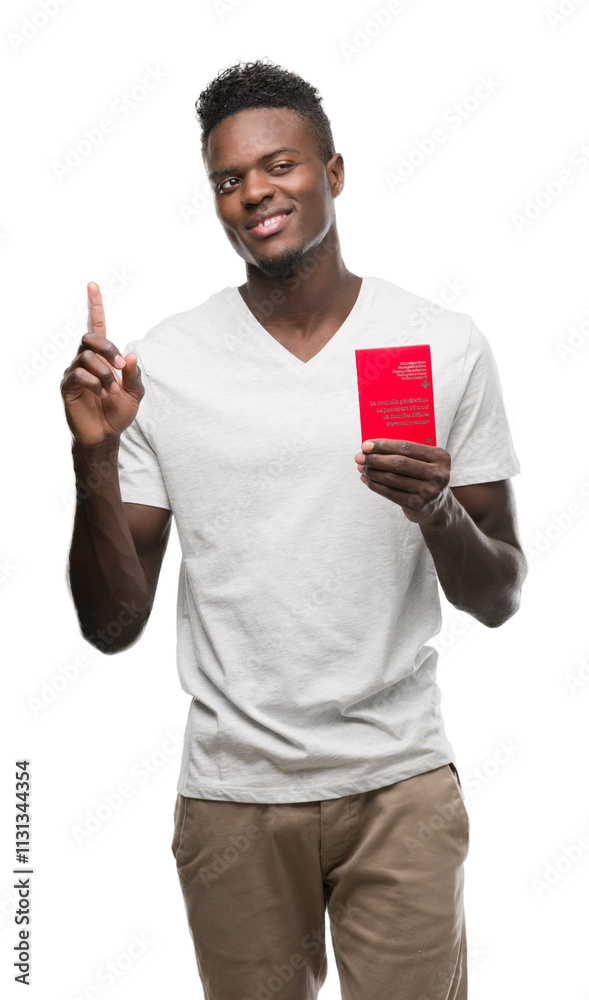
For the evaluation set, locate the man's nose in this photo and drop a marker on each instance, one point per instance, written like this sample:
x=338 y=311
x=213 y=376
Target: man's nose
x=255 y=186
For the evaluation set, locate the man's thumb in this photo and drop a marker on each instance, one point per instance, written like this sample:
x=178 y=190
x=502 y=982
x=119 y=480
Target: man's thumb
x=131 y=374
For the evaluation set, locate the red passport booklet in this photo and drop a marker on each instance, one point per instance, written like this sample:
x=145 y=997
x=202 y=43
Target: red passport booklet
x=396 y=394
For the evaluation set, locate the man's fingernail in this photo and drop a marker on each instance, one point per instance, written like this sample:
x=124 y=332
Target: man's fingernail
x=119 y=361
x=367 y=445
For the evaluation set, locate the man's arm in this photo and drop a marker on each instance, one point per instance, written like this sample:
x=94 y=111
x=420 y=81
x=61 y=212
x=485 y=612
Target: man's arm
x=470 y=531
x=478 y=558
x=117 y=548
x=116 y=553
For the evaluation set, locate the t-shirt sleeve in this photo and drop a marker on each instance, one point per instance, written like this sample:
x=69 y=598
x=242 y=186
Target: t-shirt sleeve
x=140 y=475
x=479 y=442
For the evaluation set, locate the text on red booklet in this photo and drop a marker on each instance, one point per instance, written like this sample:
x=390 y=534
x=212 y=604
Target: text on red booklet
x=395 y=393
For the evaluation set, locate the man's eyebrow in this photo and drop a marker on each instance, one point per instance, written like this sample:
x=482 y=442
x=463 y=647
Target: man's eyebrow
x=266 y=156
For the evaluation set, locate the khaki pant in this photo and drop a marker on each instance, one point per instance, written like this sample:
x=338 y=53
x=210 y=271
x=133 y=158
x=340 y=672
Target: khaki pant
x=388 y=865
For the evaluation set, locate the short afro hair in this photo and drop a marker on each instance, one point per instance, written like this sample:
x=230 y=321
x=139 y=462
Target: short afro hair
x=261 y=84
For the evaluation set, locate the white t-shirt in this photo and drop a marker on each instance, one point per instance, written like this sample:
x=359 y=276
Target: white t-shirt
x=305 y=599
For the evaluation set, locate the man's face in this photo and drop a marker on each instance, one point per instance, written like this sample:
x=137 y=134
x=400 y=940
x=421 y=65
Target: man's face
x=265 y=162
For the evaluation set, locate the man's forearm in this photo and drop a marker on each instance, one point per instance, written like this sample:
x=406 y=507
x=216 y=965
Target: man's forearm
x=108 y=583
x=480 y=575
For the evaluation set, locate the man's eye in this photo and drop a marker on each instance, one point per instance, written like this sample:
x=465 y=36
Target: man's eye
x=221 y=187
x=226 y=182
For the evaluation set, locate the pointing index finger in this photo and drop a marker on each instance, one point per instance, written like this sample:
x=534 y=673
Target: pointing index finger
x=96 y=323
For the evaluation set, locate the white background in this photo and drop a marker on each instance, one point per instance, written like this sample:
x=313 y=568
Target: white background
x=123 y=209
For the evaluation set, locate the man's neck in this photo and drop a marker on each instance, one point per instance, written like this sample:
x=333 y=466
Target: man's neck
x=315 y=295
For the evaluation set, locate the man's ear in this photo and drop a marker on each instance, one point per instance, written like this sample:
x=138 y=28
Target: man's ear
x=335 y=172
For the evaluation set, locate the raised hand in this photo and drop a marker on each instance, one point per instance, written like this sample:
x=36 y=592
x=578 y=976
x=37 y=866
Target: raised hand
x=98 y=404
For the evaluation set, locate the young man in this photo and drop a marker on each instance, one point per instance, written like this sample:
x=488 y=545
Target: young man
x=316 y=770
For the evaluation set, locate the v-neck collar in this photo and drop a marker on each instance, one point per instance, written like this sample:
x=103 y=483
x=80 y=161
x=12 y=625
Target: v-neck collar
x=282 y=353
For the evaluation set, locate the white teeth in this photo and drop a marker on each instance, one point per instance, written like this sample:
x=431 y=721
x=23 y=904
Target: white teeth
x=268 y=222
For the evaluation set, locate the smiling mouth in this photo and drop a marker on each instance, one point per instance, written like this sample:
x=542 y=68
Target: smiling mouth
x=272 y=225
